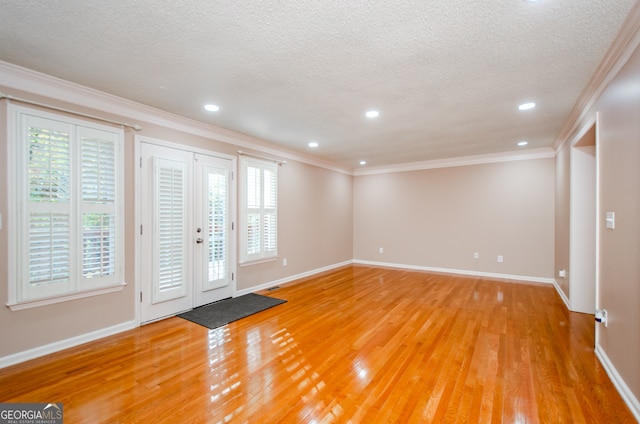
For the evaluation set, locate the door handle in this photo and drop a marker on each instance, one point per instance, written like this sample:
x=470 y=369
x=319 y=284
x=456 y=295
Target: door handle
x=199 y=240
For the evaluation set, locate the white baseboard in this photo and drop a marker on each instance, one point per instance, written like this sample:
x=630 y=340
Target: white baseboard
x=290 y=278
x=50 y=348
x=563 y=296
x=628 y=397
x=457 y=271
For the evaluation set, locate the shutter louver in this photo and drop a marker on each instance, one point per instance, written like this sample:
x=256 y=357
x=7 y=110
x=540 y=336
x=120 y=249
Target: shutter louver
x=217 y=212
x=98 y=171
x=254 y=199
x=49 y=165
x=98 y=245
x=170 y=231
x=254 y=233
x=49 y=248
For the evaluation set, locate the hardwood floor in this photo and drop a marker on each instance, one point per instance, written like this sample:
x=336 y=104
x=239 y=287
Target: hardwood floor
x=357 y=344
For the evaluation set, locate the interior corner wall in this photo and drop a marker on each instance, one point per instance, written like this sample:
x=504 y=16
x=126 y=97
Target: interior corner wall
x=438 y=218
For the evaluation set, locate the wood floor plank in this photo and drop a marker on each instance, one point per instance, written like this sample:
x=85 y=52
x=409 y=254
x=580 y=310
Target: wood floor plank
x=357 y=344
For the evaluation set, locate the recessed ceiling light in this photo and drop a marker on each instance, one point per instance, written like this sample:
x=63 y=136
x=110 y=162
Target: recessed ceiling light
x=363 y=162
x=313 y=144
x=527 y=106
x=372 y=114
x=212 y=108
x=523 y=143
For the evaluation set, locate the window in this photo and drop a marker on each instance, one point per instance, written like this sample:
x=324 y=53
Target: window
x=258 y=210
x=66 y=182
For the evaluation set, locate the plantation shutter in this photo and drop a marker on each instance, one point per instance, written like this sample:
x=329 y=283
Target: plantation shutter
x=48 y=203
x=98 y=204
x=170 y=231
x=67 y=193
x=67 y=233
x=269 y=212
x=254 y=201
x=259 y=215
x=217 y=234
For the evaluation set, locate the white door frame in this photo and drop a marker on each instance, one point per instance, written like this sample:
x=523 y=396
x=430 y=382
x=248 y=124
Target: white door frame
x=138 y=140
x=583 y=222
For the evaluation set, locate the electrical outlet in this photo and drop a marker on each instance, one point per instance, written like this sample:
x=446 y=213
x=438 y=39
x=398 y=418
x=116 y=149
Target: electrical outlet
x=381 y=250
x=500 y=258
x=601 y=316
x=476 y=255
x=284 y=262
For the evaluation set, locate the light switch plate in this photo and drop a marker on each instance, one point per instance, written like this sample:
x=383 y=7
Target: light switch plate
x=611 y=220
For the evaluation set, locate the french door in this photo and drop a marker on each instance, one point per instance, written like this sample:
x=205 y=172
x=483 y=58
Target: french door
x=187 y=251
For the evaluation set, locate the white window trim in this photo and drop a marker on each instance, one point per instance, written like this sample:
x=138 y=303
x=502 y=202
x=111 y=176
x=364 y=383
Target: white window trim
x=253 y=259
x=13 y=130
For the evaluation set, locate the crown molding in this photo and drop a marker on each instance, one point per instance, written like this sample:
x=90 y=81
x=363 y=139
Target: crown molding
x=29 y=81
x=542 y=153
x=621 y=49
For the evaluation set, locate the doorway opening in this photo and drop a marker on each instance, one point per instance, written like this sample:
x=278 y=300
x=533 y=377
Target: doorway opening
x=583 y=224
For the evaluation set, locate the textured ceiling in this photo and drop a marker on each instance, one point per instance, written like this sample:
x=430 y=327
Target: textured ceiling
x=446 y=75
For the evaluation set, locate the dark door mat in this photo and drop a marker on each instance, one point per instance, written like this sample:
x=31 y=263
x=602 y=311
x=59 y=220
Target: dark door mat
x=225 y=311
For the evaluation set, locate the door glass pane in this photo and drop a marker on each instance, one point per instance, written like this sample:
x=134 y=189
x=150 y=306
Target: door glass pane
x=217 y=220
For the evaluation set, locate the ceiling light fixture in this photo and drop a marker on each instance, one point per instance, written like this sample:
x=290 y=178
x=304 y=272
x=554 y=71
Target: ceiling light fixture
x=372 y=114
x=527 y=106
x=313 y=144
x=363 y=162
x=212 y=108
x=523 y=143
